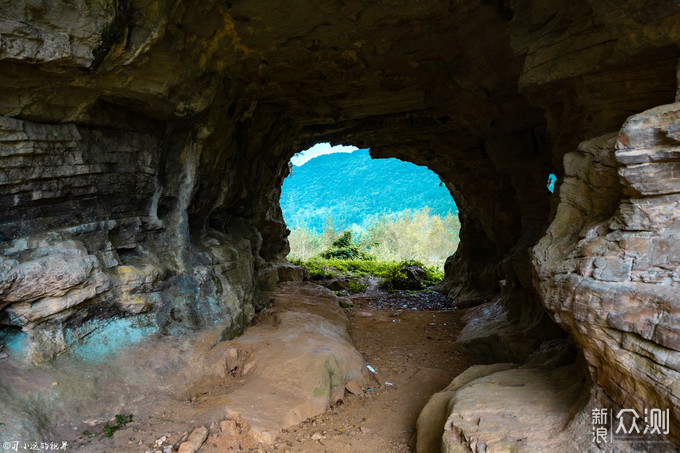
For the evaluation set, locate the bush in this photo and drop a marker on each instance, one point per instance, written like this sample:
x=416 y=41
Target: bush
x=343 y=241
x=318 y=269
x=394 y=275
x=356 y=287
x=434 y=275
x=410 y=275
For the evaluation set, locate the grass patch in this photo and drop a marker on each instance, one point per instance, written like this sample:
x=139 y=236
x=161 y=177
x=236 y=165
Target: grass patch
x=323 y=268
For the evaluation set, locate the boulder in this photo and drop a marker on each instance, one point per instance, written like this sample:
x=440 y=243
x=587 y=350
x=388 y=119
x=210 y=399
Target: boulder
x=303 y=360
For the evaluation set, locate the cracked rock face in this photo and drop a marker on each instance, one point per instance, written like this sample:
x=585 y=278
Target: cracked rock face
x=609 y=266
x=143 y=144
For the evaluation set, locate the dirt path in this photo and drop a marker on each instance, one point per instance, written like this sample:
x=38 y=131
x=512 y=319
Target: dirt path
x=171 y=386
x=412 y=352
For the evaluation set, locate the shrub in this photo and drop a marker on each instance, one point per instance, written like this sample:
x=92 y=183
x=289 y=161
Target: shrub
x=434 y=275
x=344 y=249
x=343 y=241
x=318 y=269
x=404 y=276
x=356 y=287
x=393 y=274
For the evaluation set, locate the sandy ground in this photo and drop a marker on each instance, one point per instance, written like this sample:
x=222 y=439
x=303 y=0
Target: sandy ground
x=414 y=357
x=412 y=352
x=409 y=346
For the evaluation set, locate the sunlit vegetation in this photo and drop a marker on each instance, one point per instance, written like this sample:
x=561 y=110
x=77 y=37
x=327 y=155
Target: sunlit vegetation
x=420 y=236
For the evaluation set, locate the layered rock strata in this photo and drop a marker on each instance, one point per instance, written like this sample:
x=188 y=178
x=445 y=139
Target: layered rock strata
x=609 y=267
x=143 y=144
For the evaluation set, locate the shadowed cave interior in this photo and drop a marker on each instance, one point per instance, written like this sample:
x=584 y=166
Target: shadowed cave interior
x=143 y=145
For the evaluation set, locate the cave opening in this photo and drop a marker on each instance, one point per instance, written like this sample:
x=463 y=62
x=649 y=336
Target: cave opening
x=385 y=209
x=143 y=149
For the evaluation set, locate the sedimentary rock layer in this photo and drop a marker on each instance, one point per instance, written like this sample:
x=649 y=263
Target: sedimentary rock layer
x=143 y=144
x=609 y=266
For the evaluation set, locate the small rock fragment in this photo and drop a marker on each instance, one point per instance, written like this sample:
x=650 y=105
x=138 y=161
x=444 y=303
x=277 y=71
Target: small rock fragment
x=317 y=436
x=195 y=440
x=353 y=387
x=160 y=441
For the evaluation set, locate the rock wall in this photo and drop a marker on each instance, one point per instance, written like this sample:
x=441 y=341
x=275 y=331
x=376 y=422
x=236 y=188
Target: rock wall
x=94 y=226
x=152 y=148
x=609 y=266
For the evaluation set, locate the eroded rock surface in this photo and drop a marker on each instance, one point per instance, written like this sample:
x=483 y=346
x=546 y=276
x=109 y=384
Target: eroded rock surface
x=609 y=266
x=300 y=363
x=516 y=410
x=150 y=139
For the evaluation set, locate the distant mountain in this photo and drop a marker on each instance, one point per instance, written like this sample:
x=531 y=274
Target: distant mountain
x=351 y=188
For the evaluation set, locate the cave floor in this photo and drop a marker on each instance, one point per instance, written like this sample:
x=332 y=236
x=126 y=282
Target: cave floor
x=411 y=347
x=413 y=354
x=406 y=337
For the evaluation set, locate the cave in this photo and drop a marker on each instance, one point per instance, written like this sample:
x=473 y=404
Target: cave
x=143 y=145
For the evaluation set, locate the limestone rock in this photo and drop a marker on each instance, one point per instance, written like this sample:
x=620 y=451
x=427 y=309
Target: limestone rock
x=54 y=279
x=56 y=32
x=195 y=440
x=29 y=314
x=7 y=275
x=53 y=271
x=609 y=268
x=336 y=284
x=291 y=273
x=136 y=286
x=517 y=409
x=432 y=418
x=491 y=336
x=354 y=388
x=415 y=276
x=302 y=360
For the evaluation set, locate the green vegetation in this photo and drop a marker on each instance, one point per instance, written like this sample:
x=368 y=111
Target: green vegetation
x=392 y=273
x=344 y=248
x=321 y=268
x=421 y=236
x=356 y=287
x=395 y=275
x=121 y=420
x=398 y=276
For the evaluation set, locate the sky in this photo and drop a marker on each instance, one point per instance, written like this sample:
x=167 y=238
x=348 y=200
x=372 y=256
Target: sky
x=317 y=150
